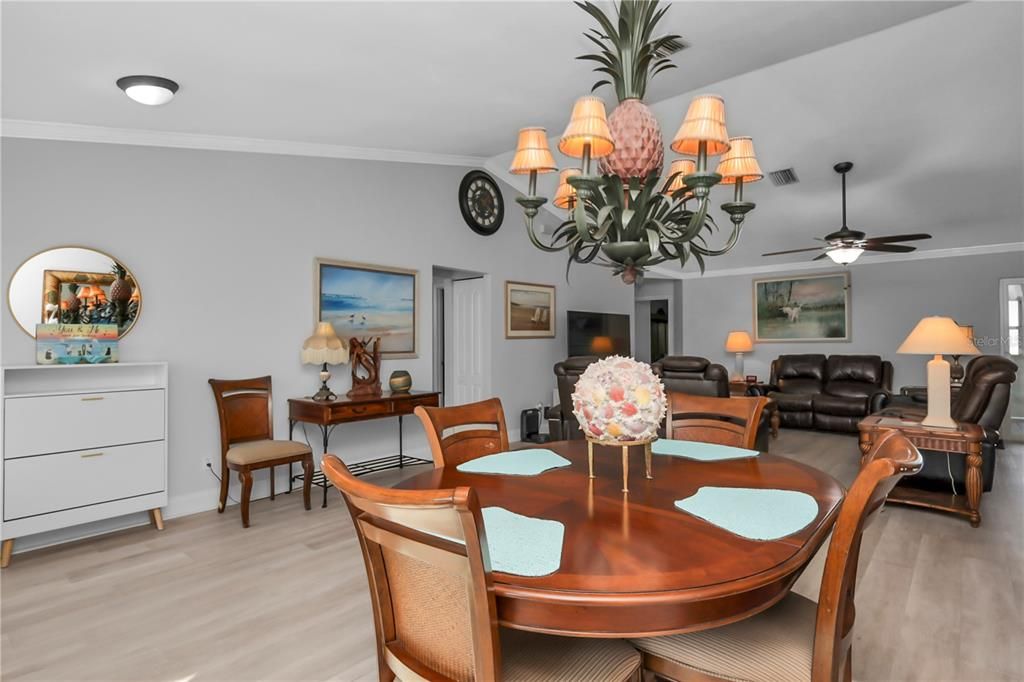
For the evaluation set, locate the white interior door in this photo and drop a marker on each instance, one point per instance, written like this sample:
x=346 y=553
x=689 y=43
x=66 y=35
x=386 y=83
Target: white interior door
x=469 y=356
x=1011 y=304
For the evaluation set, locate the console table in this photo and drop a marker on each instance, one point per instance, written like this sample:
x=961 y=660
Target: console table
x=964 y=441
x=328 y=414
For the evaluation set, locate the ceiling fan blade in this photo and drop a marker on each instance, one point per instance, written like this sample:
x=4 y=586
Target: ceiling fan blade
x=897 y=238
x=819 y=257
x=779 y=253
x=891 y=248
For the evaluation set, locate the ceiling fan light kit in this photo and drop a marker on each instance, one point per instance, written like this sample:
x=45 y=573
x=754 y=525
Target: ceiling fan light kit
x=149 y=90
x=845 y=246
x=623 y=215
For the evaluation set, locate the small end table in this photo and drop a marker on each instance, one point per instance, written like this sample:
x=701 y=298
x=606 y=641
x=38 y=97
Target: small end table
x=964 y=441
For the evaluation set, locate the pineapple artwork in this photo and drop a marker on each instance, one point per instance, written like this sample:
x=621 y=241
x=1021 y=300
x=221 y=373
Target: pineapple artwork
x=629 y=57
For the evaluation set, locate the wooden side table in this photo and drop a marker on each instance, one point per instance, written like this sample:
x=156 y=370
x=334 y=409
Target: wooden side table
x=964 y=441
x=772 y=408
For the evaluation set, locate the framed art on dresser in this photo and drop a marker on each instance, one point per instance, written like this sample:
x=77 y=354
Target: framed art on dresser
x=365 y=301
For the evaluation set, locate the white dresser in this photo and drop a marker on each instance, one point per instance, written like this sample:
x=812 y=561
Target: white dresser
x=81 y=443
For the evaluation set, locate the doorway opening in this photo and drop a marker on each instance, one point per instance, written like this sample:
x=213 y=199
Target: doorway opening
x=461 y=335
x=652 y=329
x=1011 y=317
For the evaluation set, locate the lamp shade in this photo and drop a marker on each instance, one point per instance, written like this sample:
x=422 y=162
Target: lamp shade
x=588 y=125
x=532 y=153
x=739 y=163
x=84 y=292
x=565 y=197
x=704 y=122
x=937 y=336
x=324 y=346
x=738 y=342
x=680 y=168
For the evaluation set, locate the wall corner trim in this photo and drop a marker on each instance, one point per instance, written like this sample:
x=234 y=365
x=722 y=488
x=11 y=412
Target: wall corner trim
x=74 y=132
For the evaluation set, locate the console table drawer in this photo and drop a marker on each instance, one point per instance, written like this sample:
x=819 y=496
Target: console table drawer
x=48 y=483
x=46 y=424
x=359 y=410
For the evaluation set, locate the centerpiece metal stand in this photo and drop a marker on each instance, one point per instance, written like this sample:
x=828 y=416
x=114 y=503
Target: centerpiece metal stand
x=625 y=445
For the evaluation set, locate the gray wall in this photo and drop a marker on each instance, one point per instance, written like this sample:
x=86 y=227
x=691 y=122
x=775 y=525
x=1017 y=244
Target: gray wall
x=223 y=247
x=887 y=300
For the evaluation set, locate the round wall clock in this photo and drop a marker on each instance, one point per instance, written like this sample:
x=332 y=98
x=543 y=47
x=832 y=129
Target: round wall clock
x=481 y=203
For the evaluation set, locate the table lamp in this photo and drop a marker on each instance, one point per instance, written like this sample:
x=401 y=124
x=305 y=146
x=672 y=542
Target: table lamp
x=738 y=342
x=936 y=336
x=324 y=348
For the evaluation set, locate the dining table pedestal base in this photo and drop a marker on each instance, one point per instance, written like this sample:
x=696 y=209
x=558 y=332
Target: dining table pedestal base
x=625 y=445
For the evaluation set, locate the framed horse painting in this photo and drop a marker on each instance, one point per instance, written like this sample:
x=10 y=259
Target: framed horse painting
x=803 y=308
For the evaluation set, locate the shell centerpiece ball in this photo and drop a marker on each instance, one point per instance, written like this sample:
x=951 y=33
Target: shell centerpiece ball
x=619 y=399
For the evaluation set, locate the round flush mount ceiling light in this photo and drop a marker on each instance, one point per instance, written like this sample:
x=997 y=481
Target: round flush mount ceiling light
x=149 y=90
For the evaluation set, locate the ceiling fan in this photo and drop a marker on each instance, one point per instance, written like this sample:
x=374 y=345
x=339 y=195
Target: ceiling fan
x=844 y=246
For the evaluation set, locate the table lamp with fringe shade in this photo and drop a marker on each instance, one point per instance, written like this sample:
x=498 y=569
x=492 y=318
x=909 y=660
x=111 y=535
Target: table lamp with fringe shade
x=938 y=336
x=324 y=348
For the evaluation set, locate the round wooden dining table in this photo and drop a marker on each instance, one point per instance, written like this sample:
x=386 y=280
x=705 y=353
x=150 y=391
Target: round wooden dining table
x=632 y=563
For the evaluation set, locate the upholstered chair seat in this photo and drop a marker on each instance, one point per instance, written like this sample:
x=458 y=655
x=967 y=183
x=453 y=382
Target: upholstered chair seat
x=777 y=644
x=256 y=451
x=529 y=657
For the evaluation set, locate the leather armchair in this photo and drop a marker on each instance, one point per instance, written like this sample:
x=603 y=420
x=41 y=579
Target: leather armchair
x=982 y=400
x=699 y=376
x=832 y=393
x=562 y=424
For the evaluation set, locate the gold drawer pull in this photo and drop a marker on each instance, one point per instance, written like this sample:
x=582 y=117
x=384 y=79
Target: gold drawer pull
x=95 y=397
x=92 y=454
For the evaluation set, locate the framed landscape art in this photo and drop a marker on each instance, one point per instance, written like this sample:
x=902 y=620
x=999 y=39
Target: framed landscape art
x=529 y=311
x=802 y=308
x=363 y=301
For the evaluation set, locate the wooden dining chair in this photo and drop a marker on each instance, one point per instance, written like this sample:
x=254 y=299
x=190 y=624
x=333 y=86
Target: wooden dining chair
x=726 y=421
x=433 y=600
x=247 y=439
x=796 y=639
x=464 y=432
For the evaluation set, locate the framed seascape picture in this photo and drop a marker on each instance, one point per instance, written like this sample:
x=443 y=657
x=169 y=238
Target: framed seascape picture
x=529 y=311
x=804 y=308
x=364 y=301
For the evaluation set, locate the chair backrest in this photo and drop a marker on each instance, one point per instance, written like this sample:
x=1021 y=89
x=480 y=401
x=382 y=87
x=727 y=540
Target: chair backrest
x=693 y=375
x=726 y=421
x=798 y=373
x=464 y=432
x=857 y=376
x=985 y=393
x=245 y=410
x=567 y=373
x=891 y=458
x=429 y=573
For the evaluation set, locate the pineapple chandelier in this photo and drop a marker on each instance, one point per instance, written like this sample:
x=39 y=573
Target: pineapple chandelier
x=625 y=216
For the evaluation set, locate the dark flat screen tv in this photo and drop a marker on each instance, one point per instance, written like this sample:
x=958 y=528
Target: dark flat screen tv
x=600 y=334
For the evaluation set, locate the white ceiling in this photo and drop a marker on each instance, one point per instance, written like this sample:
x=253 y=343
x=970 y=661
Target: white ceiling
x=438 y=77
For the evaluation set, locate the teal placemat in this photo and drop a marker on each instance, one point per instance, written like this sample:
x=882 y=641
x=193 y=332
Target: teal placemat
x=705 y=452
x=754 y=513
x=522 y=545
x=528 y=462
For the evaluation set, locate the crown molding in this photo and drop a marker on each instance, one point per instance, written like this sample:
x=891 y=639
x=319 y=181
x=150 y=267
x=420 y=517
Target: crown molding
x=667 y=272
x=73 y=132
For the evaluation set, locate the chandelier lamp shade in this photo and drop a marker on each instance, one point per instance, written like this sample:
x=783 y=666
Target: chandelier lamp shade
x=623 y=214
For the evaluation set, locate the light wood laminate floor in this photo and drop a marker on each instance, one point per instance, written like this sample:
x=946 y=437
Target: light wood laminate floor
x=286 y=599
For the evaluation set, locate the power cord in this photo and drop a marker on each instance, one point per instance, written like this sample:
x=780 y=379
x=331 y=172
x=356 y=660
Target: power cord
x=214 y=474
x=949 y=469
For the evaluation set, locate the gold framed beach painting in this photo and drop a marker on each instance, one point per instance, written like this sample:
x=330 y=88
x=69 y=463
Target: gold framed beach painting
x=802 y=308
x=529 y=311
x=363 y=301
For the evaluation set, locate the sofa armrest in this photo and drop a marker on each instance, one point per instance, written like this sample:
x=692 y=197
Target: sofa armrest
x=878 y=401
x=760 y=389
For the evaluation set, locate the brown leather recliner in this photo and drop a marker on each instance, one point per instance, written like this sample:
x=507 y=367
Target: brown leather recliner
x=699 y=376
x=832 y=393
x=982 y=400
x=562 y=424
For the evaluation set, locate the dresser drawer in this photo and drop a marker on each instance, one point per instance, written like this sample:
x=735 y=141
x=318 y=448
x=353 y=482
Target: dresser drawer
x=46 y=424
x=48 y=483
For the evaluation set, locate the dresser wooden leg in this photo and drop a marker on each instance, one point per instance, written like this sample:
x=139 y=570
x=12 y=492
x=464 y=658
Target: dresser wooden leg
x=5 y=554
x=157 y=517
x=974 y=483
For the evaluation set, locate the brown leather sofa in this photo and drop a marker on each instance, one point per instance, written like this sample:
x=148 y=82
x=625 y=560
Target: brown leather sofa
x=829 y=393
x=562 y=424
x=982 y=400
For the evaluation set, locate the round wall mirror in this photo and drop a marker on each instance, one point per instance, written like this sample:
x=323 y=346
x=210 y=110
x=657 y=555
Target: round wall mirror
x=74 y=285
